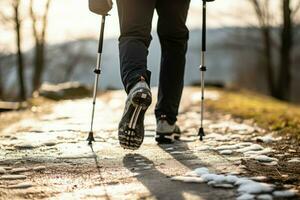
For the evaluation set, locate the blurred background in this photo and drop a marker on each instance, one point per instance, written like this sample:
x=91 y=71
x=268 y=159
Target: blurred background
x=253 y=44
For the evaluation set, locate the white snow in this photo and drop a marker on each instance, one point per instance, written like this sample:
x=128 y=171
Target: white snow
x=187 y=179
x=264 y=158
x=264 y=197
x=294 y=160
x=2 y=170
x=228 y=147
x=226 y=152
x=246 y=197
x=201 y=171
x=218 y=137
x=246 y=186
x=261 y=152
x=285 y=193
x=266 y=139
x=253 y=187
x=253 y=147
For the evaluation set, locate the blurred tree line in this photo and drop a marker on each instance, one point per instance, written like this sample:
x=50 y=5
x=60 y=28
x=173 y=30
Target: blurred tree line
x=279 y=46
x=279 y=86
x=39 y=21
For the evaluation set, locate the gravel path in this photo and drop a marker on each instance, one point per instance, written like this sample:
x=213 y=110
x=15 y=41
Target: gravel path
x=47 y=157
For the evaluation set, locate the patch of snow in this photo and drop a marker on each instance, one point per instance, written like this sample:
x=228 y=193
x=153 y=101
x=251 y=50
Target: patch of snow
x=264 y=197
x=285 y=193
x=2 y=170
x=19 y=170
x=227 y=147
x=266 y=138
x=264 y=158
x=201 y=171
x=218 y=137
x=253 y=147
x=12 y=177
x=20 y=186
x=188 y=179
x=253 y=187
x=224 y=185
x=226 y=152
x=261 y=152
x=246 y=197
x=294 y=160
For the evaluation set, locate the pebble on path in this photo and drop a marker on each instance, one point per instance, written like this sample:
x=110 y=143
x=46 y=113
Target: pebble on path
x=226 y=152
x=2 y=170
x=264 y=197
x=19 y=170
x=39 y=168
x=246 y=197
x=226 y=186
x=20 y=186
x=294 y=160
x=12 y=177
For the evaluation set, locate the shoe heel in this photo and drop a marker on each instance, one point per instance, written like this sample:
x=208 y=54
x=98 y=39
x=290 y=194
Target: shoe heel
x=142 y=98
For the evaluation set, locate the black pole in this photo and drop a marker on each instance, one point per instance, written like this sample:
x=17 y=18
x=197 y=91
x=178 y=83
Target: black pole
x=204 y=26
x=100 y=47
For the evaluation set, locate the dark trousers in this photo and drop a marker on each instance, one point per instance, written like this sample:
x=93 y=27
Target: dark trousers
x=135 y=18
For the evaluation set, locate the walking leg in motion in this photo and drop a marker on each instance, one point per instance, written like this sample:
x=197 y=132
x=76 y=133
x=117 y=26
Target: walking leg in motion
x=135 y=18
x=173 y=35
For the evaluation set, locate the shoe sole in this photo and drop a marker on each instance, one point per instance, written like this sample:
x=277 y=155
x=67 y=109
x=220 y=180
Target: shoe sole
x=167 y=138
x=130 y=138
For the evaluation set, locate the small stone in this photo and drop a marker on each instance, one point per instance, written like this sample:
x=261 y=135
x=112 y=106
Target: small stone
x=264 y=158
x=25 y=146
x=19 y=170
x=284 y=193
x=226 y=186
x=20 y=186
x=226 y=152
x=246 y=196
x=39 y=168
x=50 y=143
x=264 y=197
x=294 y=160
x=259 y=178
x=2 y=170
x=7 y=168
x=12 y=177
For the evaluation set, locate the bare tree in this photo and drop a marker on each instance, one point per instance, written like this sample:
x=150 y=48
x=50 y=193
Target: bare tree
x=40 y=42
x=15 y=21
x=280 y=86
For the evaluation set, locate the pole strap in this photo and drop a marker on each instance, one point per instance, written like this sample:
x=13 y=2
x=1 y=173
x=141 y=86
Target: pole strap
x=203 y=68
x=97 y=71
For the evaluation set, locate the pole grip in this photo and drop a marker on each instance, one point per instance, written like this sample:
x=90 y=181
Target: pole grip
x=204 y=26
x=100 y=47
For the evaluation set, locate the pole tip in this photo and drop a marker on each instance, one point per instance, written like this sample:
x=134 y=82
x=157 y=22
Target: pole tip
x=201 y=133
x=91 y=138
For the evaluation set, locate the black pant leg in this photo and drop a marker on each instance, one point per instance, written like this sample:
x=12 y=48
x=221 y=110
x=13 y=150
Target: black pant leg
x=173 y=35
x=135 y=18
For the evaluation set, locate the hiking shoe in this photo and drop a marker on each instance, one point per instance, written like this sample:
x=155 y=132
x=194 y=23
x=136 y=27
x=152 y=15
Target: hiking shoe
x=167 y=133
x=131 y=127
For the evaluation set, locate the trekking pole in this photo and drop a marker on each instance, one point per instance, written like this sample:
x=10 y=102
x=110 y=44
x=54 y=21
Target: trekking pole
x=202 y=67
x=97 y=72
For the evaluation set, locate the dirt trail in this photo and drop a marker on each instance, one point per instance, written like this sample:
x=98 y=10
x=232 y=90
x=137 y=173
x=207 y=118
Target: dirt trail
x=46 y=156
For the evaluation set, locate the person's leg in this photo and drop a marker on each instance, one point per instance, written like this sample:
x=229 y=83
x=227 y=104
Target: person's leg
x=135 y=18
x=173 y=35
x=135 y=24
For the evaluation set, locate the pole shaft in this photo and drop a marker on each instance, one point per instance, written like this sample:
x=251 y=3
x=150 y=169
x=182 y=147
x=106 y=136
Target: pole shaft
x=98 y=69
x=204 y=26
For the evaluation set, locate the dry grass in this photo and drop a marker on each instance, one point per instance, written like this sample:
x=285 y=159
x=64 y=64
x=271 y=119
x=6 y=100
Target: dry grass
x=267 y=112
